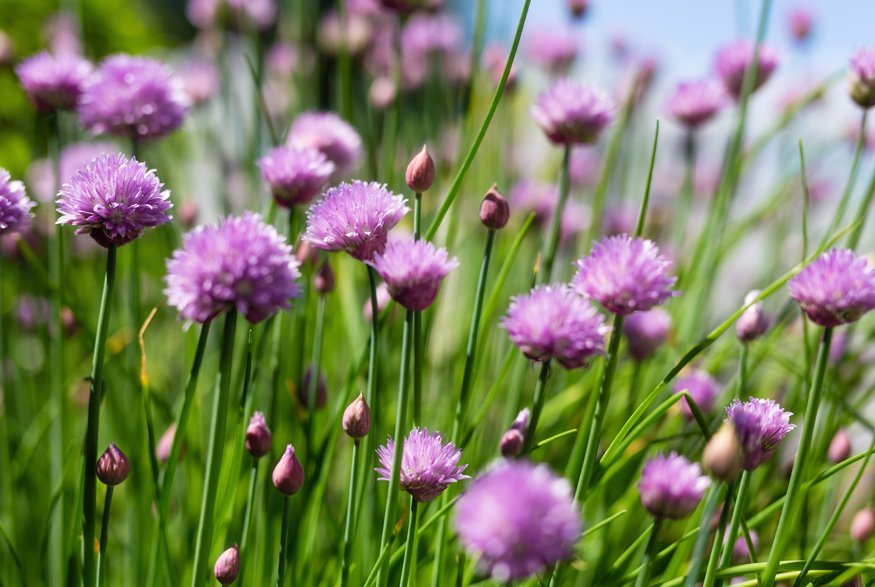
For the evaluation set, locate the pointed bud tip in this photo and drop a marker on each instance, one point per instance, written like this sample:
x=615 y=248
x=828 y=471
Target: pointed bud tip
x=420 y=171
x=357 y=418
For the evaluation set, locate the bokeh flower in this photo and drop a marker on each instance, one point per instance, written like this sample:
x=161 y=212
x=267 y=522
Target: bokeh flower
x=354 y=217
x=752 y=323
x=552 y=322
x=407 y=6
x=554 y=50
x=571 y=113
x=861 y=77
x=836 y=288
x=238 y=14
x=625 y=275
x=329 y=133
x=53 y=82
x=800 y=21
x=428 y=466
x=734 y=58
x=135 y=97
x=761 y=425
x=695 y=103
x=15 y=206
x=413 y=271
x=646 y=331
x=242 y=263
x=295 y=176
x=518 y=518
x=114 y=199
x=701 y=387
x=671 y=486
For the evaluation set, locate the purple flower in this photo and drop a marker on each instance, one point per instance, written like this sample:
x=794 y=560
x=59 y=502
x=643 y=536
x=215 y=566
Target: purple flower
x=571 y=113
x=552 y=322
x=701 y=387
x=15 y=206
x=836 y=288
x=625 y=275
x=671 y=486
x=407 y=6
x=760 y=425
x=242 y=263
x=740 y=555
x=584 y=166
x=413 y=270
x=113 y=199
x=295 y=176
x=53 y=82
x=240 y=14
x=327 y=132
x=354 y=217
x=428 y=465
x=518 y=518
x=800 y=21
x=735 y=57
x=861 y=77
x=554 y=50
x=695 y=103
x=542 y=198
x=752 y=324
x=646 y=331
x=426 y=35
x=200 y=79
x=134 y=97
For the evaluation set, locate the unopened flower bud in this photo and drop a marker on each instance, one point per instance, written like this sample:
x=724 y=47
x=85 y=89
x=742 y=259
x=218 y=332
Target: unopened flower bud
x=288 y=475
x=382 y=92
x=113 y=466
x=227 y=566
x=752 y=323
x=321 y=389
x=324 y=282
x=357 y=418
x=494 y=210
x=722 y=457
x=861 y=77
x=578 y=7
x=863 y=524
x=420 y=172
x=258 y=436
x=855 y=582
x=511 y=443
x=165 y=444
x=840 y=447
x=306 y=254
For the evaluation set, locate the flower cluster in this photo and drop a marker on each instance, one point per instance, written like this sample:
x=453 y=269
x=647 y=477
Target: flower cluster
x=571 y=113
x=671 y=486
x=15 y=206
x=761 y=424
x=428 y=465
x=295 y=176
x=836 y=288
x=733 y=60
x=695 y=103
x=53 y=82
x=413 y=271
x=330 y=134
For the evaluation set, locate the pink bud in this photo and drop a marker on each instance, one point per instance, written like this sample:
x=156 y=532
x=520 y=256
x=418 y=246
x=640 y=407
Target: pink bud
x=165 y=444
x=324 y=281
x=258 y=436
x=113 y=466
x=227 y=566
x=722 y=457
x=863 y=524
x=288 y=475
x=494 y=210
x=321 y=389
x=357 y=418
x=420 y=172
x=840 y=447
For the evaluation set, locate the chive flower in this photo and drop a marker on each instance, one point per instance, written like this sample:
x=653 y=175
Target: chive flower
x=354 y=217
x=646 y=331
x=329 y=133
x=554 y=50
x=761 y=425
x=53 y=82
x=861 y=77
x=428 y=466
x=701 y=387
x=295 y=176
x=114 y=199
x=518 y=518
x=671 y=487
x=625 y=275
x=571 y=113
x=242 y=263
x=836 y=288
x=15 y=214
x=413 y=271
x=695 y=103
x=552 y=322
x=734 y=58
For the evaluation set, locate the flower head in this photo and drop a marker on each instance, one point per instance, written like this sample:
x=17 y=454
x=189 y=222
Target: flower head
x=295 y=176
x=135 y=97
x=861 y=77
x=800 y=22
x=734 y=58
x=327 y=132
x=571 y=113
x=554 y=50
x=413 y=270
x=242 y=263
x=695 y=103
x=15 y=206
x=355 y=217
x=200 y=79
x=646 y=331
x=761 y=425
x=53 y=82
x=257 y=436
x=239 y=14
x=836 y=288
x=671 y=486
x=518 y=518
x=288 y=475
x=552 y=322
x=114 y=199
x=701 y=387
x=428 y=465
x=625 y=275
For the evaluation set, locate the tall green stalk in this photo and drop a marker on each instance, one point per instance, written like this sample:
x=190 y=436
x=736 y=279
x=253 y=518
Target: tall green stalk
x=247 y=519
x=214 y=453
x=349 y=530
x=315 y=370
x=89 y=506
x=552 y=243
x=417 y=326
x=852 y=177
x=104 y=538
x=737 y=514
x=284 y=538
x=538 y=406
x=649 y=554
x=409 y=547
x=788 y=514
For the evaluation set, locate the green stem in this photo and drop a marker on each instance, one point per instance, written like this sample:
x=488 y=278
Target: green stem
x=644 y=575
x=714 y=558
x=410 y=550
x=742 y=371
x=849 y=186
x=375 y=331
x=417 y=326
x=93 y=426
x=315 y=370
x=247 y=519
x=284 y=536
x=737 y=515
x=862 y=212
x=692 y=576
x=214 y=454
x=104 y=538
x=788 y=513
x=687 y=191
x=552 y=243
x=394 y=472
x=529 y=440
x=349 y=530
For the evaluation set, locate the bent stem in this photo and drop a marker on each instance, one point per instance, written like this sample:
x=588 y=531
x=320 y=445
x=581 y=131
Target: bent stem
x=788 y=513
x=644 y=575
x=556 y=222
x=104 y=537
x=284 y=535
x=93 y=426
x=529 y=440
x=214 y=454
x=409 y=548
x=349 y=530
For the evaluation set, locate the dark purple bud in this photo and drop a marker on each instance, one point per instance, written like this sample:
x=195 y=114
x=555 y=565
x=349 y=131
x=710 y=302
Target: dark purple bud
x=722 y=457
x=227 y=566
x=321 y=389
x=511 y=443
x=357 y=418
x=113 y=466
x=420 y=172
x=258 y=436
x=288 y=475
x=324 y=282
x=578 y=7
x=494 y=210
x=840 y=447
